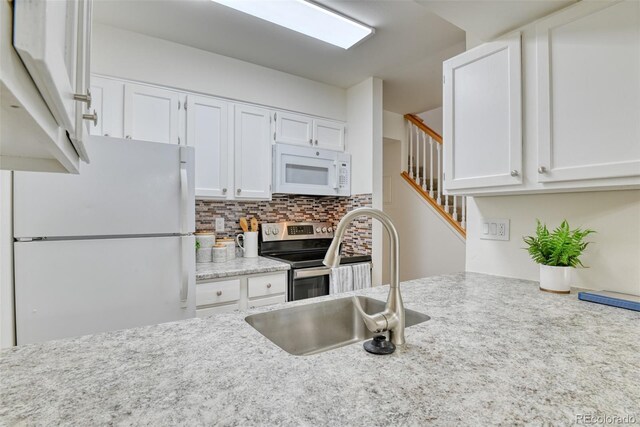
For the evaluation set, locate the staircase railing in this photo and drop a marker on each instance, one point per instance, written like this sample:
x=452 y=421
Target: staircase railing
x=424 y=172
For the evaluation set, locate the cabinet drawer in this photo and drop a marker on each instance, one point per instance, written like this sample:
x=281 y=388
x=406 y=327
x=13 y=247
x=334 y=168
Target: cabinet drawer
x=227 y=308
x=272 y=284
x=217 y=292
x=261 y=302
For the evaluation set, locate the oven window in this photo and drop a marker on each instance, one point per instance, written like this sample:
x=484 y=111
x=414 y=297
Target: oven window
x=310 y=287
x=306 y=175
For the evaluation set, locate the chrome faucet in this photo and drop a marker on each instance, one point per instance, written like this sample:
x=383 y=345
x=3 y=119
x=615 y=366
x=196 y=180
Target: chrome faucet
x=392 y=318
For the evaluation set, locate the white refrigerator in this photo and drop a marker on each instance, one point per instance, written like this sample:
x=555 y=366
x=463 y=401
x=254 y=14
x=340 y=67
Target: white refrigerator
x=108 y=249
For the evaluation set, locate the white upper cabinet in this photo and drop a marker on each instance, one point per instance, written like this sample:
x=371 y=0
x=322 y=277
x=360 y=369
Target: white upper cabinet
x=482 y=116
x=298 y=129
x=151 y=113
x=108 y=101
x=328 y=134
x=588 y=74
x=293 y=128
x=207 y=131
x=53 y=40
x=252 y=153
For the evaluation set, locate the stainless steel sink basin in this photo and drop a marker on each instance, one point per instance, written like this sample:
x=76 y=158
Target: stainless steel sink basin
x=314 y=328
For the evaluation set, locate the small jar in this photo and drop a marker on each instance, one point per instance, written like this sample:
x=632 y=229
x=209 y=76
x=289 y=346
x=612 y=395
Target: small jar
x=230 y=244
x=203 y=255
x=206 y=239
x=219 y=253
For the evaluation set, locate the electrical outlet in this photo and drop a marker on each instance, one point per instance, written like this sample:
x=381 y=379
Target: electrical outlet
x=495 y=229
x=219 y=225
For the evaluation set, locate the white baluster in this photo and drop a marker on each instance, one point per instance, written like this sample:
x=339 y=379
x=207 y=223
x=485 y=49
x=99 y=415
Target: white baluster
x=439 y=200
x=418 y=155
x=411 y=150
x=424 y=161
x=464 y=213
x=455 y=208
x=431 y=167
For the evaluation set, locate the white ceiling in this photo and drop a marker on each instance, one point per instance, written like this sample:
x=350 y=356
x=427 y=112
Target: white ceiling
x=406 y=51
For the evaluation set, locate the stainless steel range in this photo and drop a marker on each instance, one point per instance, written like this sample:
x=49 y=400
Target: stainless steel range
x=303 y=245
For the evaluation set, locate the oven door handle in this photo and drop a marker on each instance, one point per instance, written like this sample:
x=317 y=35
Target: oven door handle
x=311 y=272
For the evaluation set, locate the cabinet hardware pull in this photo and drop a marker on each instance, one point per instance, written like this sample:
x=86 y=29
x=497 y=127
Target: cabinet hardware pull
x=93 y=117
x=84 y=98
x=514 y=173
x=268 y=285
x=128 y=136
x=311 y=142
x=316 y=142
x=239 y=190
x=219 y=293
x=542 y=170
x=107 y=134
x=224 y=191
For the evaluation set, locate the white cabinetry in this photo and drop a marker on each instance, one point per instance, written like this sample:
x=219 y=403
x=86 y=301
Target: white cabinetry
x=588 y=73
x=207 y=131
x=108 y=101
x=298 y=129
x=151 y=113
x=482 y=116
x=240 y=293
x=252 y=165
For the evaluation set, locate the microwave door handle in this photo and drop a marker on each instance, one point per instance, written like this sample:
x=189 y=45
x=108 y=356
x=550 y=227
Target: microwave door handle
x=336 y=177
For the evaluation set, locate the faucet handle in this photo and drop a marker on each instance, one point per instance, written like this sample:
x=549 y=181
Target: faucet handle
x=374 y=322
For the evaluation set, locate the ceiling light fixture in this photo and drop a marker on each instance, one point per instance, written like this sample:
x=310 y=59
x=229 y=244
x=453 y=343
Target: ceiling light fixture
x=306 y=18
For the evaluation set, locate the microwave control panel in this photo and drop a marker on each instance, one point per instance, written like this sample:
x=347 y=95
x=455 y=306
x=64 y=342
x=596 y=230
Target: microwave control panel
x=343 y=177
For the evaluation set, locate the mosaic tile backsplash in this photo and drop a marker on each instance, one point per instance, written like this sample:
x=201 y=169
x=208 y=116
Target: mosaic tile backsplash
x=285 y=207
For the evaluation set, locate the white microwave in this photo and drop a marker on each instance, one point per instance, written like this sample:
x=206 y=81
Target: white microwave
x=311 y=171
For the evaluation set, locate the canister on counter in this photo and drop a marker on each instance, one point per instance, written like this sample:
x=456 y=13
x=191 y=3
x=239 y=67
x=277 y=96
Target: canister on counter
x=219 y=253
x=206 y=239
x=203 y=255
x=230 y=244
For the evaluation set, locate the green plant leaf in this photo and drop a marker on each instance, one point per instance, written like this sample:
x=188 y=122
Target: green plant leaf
x=562 y=247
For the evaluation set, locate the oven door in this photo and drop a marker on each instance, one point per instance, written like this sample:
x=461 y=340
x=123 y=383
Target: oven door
x=309 y=283
x=310 y=171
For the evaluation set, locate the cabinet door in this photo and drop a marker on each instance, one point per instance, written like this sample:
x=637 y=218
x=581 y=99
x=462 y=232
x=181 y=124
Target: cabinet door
x=207 y=131
x=107 y=99
x=293 y=128
x=328 y=134
x=50 y=38
x=252 y=153
x=482 y=116
x=588 y=60
x=151 y=114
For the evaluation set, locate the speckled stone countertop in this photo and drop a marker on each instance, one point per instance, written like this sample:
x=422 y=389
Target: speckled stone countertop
x=496 y=351
x=238 y=267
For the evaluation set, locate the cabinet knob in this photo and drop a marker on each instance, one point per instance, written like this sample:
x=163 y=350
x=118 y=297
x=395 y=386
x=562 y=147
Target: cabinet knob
x=311 y=142
x=128 y=136
x=316 y=142
x=84 y=98
x=219 y=293
x=93 y=117
x=542 y=170
x=514 y=173
x=106 y=134
x=224 y=191
x=268 y=285
x=239 y=190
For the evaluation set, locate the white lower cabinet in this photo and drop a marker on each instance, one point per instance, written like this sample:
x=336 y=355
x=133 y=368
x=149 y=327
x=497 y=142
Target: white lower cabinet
x=240 y=293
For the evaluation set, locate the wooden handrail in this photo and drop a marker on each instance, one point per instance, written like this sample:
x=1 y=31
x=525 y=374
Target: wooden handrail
x=420 y=124
x=455 y=224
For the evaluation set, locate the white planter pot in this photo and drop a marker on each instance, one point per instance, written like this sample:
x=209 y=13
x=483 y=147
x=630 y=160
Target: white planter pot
x=555 y=279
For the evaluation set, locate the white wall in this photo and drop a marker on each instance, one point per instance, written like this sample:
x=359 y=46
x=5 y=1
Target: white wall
x=613 y=259
x=125 y=54
x=433 y=119
x=364 y=142
x=6 y=261
x=428 y=244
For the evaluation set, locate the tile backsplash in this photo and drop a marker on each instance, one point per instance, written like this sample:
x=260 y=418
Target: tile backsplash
x=284 y=207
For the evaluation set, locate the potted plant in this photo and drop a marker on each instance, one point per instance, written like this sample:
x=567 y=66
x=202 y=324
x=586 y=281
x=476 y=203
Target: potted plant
x=557 y=252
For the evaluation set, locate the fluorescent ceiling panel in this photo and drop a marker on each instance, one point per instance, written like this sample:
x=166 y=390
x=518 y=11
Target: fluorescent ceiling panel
x=306 y=18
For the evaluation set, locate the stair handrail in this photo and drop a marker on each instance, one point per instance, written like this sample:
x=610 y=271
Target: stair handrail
x=420 y=124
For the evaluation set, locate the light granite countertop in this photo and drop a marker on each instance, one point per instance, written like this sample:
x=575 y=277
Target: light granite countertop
x=496 y=351
x=238 y=267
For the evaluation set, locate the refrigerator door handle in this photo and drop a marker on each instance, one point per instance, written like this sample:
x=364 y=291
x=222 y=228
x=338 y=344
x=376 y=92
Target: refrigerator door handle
x=184 y=197
x=184 y=286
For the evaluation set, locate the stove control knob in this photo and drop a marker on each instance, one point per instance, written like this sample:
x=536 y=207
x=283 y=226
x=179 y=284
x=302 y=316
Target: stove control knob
x=267 y=231
x=329 y=230
x=317 y=229
x=275 y=231
x=324 y=229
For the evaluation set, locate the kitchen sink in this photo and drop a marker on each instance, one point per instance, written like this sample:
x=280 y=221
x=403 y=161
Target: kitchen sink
x=315 y=328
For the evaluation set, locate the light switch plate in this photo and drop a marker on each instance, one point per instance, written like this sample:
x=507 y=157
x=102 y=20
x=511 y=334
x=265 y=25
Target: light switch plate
x=219 y=225
x=494 y=229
